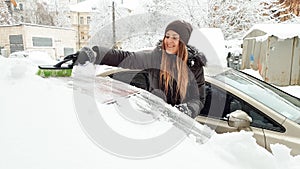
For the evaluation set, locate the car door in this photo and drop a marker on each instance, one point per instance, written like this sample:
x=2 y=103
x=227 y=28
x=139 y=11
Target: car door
x=288 y=135
x=219 y=103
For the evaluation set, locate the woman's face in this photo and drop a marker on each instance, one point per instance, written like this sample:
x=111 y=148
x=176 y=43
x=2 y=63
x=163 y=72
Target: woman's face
x=171 y=42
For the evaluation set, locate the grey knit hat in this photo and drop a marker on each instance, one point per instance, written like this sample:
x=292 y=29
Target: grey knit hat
x=184 y=29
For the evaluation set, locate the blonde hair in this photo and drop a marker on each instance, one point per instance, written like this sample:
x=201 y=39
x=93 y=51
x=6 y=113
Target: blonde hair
x=167 y=73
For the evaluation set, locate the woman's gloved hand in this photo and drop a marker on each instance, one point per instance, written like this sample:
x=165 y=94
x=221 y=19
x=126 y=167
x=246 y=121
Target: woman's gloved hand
x=85 y=55
x=184 y=108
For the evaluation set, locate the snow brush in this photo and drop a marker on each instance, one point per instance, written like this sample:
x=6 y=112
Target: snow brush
x=61 y=69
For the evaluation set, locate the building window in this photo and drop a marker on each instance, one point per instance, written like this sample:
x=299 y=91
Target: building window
x=81 y=21
x=82 y=35
x=68 y=51
x=21 y=7
x=39 y=41
x=88 y=20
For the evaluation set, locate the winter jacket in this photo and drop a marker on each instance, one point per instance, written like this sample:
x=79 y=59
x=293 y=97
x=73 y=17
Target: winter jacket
x=150 y=61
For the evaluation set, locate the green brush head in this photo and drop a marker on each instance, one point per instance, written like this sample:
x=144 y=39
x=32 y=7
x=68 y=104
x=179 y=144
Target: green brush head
x=54 y=72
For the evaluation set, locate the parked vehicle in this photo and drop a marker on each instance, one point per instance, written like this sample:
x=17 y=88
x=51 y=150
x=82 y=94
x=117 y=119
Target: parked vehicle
x=236 y=101
x=270 y=113
x=19 y=54
x=234 y=60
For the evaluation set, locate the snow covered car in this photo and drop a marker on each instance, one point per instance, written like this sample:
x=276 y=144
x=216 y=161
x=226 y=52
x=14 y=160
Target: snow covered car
x=237 y=101
x=19 y=54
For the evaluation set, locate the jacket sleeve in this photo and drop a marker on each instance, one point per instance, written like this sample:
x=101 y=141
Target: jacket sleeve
x=196 y=100
x=124 y=59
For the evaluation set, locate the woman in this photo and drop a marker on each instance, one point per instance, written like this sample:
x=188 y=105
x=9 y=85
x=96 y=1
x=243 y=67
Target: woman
x=175 y=69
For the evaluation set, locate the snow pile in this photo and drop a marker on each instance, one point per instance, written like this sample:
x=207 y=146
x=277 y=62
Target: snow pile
x=38 y=58
x=243 y=152
x=39 y=129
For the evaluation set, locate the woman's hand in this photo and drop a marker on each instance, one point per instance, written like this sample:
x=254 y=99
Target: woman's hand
x=184 y=109
x=85 y=55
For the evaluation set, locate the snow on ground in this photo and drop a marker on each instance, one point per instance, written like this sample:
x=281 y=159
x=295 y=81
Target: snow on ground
x=39 y=129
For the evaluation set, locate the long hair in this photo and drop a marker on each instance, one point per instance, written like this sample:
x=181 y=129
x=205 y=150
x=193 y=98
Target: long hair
x=170 y=70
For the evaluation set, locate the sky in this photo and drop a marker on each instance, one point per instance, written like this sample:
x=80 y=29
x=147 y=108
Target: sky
x=39 y=128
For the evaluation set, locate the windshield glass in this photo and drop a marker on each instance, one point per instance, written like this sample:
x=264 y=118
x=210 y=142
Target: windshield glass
x=264 y=93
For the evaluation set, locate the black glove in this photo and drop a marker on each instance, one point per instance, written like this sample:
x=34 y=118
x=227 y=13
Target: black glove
x=85 y=55
x=184 y=109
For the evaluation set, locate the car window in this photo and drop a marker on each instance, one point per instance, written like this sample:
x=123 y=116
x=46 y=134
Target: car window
x=231 y=103
x=259 y=119
x=264 y=93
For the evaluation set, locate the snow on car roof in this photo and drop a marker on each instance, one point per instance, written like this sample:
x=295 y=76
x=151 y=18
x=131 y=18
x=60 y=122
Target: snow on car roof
x=214 y=70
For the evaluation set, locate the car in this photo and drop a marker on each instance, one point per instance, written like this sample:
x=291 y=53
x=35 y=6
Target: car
x=237 y=101
x=19 y=54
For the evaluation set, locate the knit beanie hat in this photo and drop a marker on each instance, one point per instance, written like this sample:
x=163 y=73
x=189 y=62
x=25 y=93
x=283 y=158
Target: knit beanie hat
x=184 y=29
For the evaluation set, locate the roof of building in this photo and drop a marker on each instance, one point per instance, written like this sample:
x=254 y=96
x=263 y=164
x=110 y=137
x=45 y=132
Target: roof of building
x=37 y=25
x=282 y=31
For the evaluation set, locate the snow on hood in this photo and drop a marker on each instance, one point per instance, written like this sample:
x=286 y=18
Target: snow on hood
x=282 y=31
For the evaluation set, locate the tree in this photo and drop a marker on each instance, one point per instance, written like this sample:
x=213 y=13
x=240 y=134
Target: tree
x=5 y=16
x=293 y=6
x=193 y=11
x=235 y=17
x=287 y=11
x=44 y=13
x=59 y=11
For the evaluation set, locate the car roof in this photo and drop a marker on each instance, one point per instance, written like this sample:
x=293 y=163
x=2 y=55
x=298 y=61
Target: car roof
x=214 y=70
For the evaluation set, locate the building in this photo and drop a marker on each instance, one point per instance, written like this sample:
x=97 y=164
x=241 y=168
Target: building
x=56 y=41
x=273 y=50
x=80 y=15
x=83 y=12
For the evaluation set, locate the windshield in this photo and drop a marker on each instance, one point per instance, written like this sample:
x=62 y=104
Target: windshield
x=264 y=93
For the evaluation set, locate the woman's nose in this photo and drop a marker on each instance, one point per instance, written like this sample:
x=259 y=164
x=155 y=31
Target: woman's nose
x=170 y=40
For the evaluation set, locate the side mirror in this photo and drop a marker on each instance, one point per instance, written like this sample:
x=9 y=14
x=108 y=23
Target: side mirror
x=239 y=119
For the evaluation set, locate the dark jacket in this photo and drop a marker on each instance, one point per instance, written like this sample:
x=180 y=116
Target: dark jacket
x=150 y=61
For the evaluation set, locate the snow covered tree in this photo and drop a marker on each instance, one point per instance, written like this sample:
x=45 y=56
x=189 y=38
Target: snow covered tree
x=286 y=10
x=103 y=20
x=102 y=15
x=59 y=11
x=37 y=12
x=193 y=11
x=293 y=6
x=235 y=17
x=43 y=15
x=51 y=13
x=5 y=16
